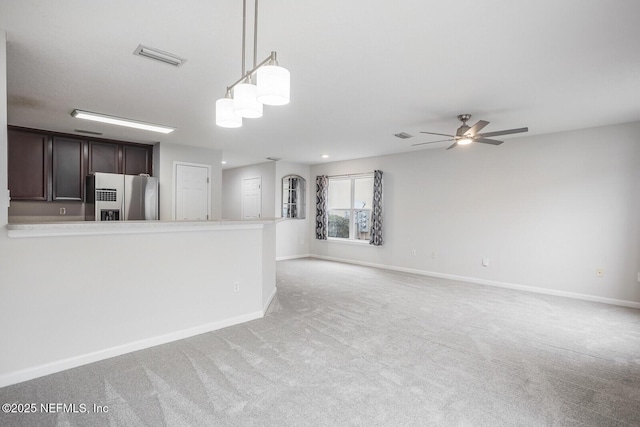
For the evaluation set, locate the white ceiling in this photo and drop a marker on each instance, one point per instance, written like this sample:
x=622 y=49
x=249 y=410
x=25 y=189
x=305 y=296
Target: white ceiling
x=360 y=70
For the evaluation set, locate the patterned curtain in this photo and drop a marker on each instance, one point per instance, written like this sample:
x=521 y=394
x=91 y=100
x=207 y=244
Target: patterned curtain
x=322 y=216
x=376 y=212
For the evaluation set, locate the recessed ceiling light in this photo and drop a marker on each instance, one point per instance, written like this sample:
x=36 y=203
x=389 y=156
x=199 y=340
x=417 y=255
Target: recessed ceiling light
x=223 y=162
x=325 y=156
x=159 y=55
x=103 y=118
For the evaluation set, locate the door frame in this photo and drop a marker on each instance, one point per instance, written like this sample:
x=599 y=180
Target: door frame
x=242 y=194
x=174 y=187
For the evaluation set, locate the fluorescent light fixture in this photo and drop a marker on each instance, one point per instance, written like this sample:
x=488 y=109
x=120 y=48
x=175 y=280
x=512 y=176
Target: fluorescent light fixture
x=103 y=118
x=159 y=55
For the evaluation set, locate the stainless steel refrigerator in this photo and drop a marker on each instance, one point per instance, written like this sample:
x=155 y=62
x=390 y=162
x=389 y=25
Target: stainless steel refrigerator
x=117 y=197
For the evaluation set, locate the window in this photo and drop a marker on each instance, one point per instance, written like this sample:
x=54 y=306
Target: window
x=350 y=200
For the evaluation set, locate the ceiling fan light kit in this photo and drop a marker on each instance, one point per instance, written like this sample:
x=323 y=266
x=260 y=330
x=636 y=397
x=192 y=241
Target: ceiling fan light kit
x=273 y=84
x=466 y=134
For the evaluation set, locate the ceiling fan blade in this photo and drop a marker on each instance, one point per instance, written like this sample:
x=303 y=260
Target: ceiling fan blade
x=431 y=142
x=503 y=132
x=452 y=145
x=441 y=134
x=489 y=141
x=476 y=128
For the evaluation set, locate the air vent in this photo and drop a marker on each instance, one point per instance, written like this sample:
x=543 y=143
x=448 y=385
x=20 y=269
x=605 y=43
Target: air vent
x=88 y=132
x=159 y=55
x=403 y=135
x=275 y=159
x=106 y=195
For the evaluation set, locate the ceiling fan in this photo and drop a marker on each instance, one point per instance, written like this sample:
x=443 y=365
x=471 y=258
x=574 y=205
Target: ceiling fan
x=467 y=134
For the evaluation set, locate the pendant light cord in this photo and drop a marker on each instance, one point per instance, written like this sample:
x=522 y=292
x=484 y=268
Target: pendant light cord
x=255 y=36
x=244 y=32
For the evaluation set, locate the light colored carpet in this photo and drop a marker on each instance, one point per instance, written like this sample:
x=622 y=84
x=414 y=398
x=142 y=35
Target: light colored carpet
x=351 y=345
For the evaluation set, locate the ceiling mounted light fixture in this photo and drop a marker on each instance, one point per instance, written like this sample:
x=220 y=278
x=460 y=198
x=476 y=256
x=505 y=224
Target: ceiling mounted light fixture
x=243 y=98
x=159 y=55
x=103 y=118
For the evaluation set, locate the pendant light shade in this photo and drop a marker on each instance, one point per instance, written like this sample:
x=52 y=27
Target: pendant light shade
x=245 y=103
x=225 y=117
x=273 y=85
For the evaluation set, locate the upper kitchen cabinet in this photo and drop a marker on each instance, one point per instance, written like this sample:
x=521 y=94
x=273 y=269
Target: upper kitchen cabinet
x=29 y=155
x=137 y=159
x=68 y=169
x=104 y=157
x=52 y=166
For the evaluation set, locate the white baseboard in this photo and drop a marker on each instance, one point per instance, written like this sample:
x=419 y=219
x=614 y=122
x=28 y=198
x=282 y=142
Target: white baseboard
x=271 y=297
x=586 y=297
x=74 y=362
x=284 y=258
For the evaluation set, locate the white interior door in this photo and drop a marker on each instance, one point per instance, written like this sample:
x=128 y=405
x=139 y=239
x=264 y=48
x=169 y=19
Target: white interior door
x=192 y=197
x=252 y=198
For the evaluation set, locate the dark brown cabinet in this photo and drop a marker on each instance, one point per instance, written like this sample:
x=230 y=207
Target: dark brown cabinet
x=137 y=160
x=104 y=157
x=28 y=165
x=50 y=166
x=68 y=169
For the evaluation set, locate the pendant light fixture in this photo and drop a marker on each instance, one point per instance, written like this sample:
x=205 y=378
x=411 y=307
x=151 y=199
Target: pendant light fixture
x=273 y=83
x=245 y=98
x=245 y=102
x=225 y=117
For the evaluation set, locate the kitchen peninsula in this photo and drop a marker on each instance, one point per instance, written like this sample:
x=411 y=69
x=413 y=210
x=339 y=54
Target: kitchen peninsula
x=96 y=290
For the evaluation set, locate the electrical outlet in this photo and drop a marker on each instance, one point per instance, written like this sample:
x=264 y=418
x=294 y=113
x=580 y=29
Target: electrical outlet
x=414 y=252
x=599 y=272
x=236 y=286
x=485 y=262
x=63 y=211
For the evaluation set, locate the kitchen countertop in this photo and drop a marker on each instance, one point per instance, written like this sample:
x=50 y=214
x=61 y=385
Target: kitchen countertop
x=82 y=228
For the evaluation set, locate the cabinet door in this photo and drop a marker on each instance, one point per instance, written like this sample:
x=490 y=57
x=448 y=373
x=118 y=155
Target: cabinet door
x=28 y=165
x=137 y=160
x=68 y=169
x=104 y=157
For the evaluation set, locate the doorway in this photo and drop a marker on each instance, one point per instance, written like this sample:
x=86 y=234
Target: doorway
x=252 y=198
x=192 y=191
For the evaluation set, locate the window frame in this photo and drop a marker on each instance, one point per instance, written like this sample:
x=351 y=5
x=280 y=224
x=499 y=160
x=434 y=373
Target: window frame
x=352 y=209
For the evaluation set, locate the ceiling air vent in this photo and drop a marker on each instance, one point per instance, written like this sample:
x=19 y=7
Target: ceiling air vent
x=159 y=55
x=403 y=135
x=88 y=132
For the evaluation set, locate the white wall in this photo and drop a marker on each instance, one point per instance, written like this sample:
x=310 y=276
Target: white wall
x=4 y=179
x=546 y=210
x=232 y=189
x=165 y=154
x=66 y=301
x=292 y=236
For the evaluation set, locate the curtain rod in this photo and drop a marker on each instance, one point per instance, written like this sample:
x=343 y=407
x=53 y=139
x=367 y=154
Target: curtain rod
x=351 y=175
